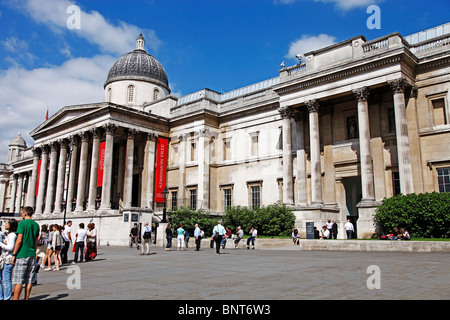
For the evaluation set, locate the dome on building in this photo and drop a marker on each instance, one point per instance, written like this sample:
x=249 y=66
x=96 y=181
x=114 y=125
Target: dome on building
x=138 y=65
x=18 y=141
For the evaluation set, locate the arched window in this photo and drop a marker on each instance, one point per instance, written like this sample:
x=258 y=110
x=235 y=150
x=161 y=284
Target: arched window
x=130 y=94
x=109 y=95
x=155 y=95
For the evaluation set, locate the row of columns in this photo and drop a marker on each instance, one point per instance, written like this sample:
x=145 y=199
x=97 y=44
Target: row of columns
x=53 y=183
x=367 y=174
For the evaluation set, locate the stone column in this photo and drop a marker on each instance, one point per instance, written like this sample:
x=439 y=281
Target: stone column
x=203 y=167
x=316 y=170
x=301 y=160
x=50 y=197
x=129 y=165
x=3 y=187
x=13 y=193
x=82 y=174
x=288 y=187
x=75 y=140
x=31 y=196
x=42 y=180
x=365 y=156
x=401 y=130
x=107 y=170
x=19 y=192
x=96 y=135
x=61 y=176
x=182 y=167
x=151 y=147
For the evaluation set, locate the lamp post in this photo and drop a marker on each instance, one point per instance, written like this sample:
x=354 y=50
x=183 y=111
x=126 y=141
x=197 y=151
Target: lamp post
x=165 y=194
x=68 y=181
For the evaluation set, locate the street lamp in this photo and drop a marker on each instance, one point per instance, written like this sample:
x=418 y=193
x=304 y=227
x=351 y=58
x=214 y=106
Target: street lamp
x=68 y=181
x=165 y=193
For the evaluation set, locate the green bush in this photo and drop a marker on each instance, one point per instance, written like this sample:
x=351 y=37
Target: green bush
x=272 y=220
x=425 y=215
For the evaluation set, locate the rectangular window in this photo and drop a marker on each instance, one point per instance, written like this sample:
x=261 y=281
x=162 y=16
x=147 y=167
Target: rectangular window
x=352 y=128
x=391 y=119
x=174 y=200
x=439 y=111
x=256 y=196
x=193 y=199
x=254 y=147
x=443 y=179
x=226 y=198
x=396 y=183
x=193 y=151
x=226 y=149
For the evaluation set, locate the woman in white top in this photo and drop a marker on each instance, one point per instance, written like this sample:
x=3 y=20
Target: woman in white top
x=57 y=243
x=6 y=266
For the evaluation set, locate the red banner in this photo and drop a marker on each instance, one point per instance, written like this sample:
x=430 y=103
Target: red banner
x=37 y=177
x=101 y=164
x=161 y=164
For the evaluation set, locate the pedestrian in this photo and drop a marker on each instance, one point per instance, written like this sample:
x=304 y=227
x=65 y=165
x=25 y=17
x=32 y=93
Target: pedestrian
x=325 y=233
x=6 y=267
x=239 y=237
x=146 y=236
x=349 y=229
x=180 y=237
x=218 y=233
x=80 y=236
x=98 y=202
x=134 y=236
x=186 y=237
x=57 y=244
x=24 y=254
x=198 y=237
x=296 y=237
x=169 y=235
x=91 y=242
x=329 y=226
x=334 y=230
x=49 y=252
x=253 y=234
x=67 y=241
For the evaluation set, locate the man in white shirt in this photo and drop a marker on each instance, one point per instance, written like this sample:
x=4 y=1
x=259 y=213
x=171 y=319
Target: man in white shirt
x=218 y=233
x=325 y=233
x=198 y=237
x=146 y=237
x=349 y=229
x=79 y=243
x=67 y=241
x=253 y=234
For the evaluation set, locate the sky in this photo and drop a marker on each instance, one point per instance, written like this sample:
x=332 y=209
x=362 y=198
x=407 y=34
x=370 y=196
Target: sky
x=55 y=53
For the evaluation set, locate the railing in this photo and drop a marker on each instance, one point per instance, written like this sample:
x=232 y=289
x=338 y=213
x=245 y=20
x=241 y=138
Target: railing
x=375 y=45
x=431 y=45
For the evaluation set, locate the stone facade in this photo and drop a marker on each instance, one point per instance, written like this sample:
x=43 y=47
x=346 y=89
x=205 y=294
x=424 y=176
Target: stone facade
x=331 y=137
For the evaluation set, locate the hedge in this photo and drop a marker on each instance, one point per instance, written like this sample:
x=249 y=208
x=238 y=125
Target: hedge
x=425 y=215
x=272 y=220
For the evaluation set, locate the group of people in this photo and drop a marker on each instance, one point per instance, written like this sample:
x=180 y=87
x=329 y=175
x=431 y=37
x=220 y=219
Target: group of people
x=397 y=234
x=24 y=243
x=219 y=237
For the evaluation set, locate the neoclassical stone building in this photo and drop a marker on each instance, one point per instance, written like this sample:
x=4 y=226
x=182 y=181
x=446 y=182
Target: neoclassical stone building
x=331 y=137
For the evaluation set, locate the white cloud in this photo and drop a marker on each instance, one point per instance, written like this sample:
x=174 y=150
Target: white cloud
x=26 y=94
x=309 y=43
x=344 y=5
x=94 y=28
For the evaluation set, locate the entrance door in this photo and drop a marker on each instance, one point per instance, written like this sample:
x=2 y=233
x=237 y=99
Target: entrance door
x=353 y=195
x=136 y=189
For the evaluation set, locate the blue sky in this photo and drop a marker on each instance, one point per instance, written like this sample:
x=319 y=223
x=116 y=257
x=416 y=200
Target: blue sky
x=217 y=44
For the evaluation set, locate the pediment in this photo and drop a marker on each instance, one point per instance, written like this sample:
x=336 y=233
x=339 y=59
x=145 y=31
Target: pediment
x=66 y=116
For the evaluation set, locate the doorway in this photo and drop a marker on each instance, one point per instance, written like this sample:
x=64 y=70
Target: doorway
x=135 y=192
x=353 y=195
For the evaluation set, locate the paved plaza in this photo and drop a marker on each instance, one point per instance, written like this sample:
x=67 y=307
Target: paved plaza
x=285 y=273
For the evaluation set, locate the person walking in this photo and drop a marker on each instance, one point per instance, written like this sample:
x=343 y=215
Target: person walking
x=91 y=242
x=180 y=237
x=134 y=236
x=169 y=235
x=24 y=254
x=67 y=241
x=79 y=243
x=253 y=235
x=349 y=229
x=146 y=236
x=198 y=237
x=6 y=266
x=49 y=252
x=57 y=244
x=218 y=233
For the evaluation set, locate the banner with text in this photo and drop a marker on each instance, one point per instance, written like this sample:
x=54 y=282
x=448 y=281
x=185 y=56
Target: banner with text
x=38 y=176
x=101 y=164
x=161 y=163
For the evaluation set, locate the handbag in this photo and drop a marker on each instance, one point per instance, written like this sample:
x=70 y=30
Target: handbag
x=147 y=235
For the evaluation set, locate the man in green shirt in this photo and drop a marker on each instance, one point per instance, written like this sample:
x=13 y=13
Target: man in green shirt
x=24 y=254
